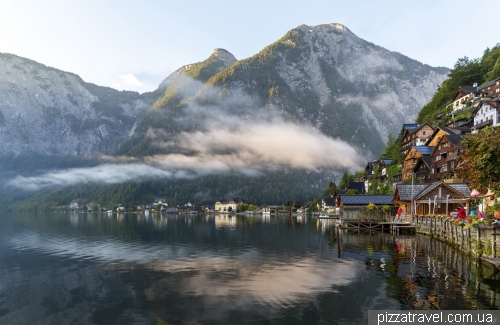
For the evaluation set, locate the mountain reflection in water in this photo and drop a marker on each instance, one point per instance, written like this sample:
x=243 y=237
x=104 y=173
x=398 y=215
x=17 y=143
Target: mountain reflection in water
x=171 y=269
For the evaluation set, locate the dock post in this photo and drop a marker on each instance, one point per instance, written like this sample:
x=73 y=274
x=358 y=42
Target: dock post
x=494 y=244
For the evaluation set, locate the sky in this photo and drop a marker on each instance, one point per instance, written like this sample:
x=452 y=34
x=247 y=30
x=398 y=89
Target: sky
x=134 y=45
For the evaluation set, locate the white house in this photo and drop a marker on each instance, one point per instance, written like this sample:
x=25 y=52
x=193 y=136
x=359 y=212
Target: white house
x=486 y=113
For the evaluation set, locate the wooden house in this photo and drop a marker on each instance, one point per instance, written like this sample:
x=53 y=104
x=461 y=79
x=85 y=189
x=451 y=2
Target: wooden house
x=422 y=170
x=411 y=159
x=436 y=198
x=416 y=137
x=445 y=158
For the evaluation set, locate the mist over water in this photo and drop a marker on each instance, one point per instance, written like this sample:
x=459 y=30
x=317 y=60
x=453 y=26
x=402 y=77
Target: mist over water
x=132 y=268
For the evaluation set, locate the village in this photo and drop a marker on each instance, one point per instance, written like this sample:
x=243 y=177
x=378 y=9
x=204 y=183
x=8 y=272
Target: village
x=428 y=171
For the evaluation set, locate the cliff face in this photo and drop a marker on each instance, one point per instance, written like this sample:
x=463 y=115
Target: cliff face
x=52 y=112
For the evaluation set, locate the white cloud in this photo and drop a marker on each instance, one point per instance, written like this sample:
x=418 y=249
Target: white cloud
x=131 y=80
x=107 y=173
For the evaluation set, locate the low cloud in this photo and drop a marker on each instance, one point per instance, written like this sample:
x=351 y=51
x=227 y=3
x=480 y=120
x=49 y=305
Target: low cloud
x=229 y=138
x=253 y=147
x=107 y=173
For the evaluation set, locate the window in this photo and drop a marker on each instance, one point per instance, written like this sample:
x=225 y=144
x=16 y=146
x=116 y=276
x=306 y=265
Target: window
x=438 y=158
x=498 y=90
x=423 y=133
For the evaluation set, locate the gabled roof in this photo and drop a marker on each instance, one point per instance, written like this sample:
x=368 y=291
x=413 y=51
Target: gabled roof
x=366 y=199
x=455 y=139
x=488 y=84
x=461 y=187
x=448 y=130
x=405 y=191
x=435 y=185
x=407 y=127
x=424 y=150
x=469 y=89
x=492 y=102
x=426 y=160
x=420 y=127
x=466 y=89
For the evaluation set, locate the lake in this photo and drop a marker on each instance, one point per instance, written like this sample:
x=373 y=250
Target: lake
x=217 y=269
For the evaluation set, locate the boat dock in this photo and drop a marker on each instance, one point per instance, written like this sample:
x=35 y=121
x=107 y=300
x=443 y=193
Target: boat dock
x=393 y=226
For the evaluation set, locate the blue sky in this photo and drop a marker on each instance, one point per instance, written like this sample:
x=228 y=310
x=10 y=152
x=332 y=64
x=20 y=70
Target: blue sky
x=134 y=45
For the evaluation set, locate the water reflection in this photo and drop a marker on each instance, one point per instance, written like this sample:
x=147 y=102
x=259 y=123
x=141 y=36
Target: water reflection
x=95 y=269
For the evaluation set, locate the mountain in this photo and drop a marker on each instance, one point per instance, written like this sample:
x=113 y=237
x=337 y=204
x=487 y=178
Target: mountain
x=322 y=76
x=52 y=112
x=330 y=78
x=275 y=127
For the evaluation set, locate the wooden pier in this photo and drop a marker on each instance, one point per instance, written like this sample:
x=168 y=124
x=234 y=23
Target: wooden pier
x=377 y=225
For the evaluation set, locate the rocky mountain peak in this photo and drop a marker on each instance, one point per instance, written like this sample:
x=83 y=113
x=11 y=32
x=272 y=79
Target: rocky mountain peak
x=331 y=27
x=219 y=60
x=223 y=55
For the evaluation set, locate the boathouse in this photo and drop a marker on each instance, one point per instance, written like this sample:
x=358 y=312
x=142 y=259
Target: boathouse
x=437 y=198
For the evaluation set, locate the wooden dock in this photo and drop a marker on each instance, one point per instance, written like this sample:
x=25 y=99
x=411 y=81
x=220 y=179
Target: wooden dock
x=377 y=225
x=334 y=216
x=493 y=261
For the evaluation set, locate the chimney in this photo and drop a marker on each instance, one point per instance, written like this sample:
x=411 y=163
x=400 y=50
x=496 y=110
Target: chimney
x=474 y=85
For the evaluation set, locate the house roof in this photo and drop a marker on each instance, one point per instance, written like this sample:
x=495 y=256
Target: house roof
x=461 y=187
x=366 y=199
x=360 y=186
x=488 y=84
x=470 y=89
x=405 y=190
x=426 y=160
x=455 y=139
x=408 y=126
x=329 y=201
x=424 y=150
x=448 y=130
x=492 y=102
x=420 y=127
x=431 y=187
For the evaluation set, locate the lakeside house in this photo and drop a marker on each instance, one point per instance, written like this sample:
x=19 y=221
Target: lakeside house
x=361 y=201
x=228 y=205
x=431 y=198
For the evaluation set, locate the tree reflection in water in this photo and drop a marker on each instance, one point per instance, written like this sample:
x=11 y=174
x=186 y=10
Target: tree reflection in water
x=100 y=269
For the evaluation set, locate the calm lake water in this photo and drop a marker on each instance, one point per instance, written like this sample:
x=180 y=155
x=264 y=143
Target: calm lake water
x=171 y=269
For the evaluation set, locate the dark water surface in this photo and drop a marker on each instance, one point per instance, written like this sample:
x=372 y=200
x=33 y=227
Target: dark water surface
x=171 y=269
